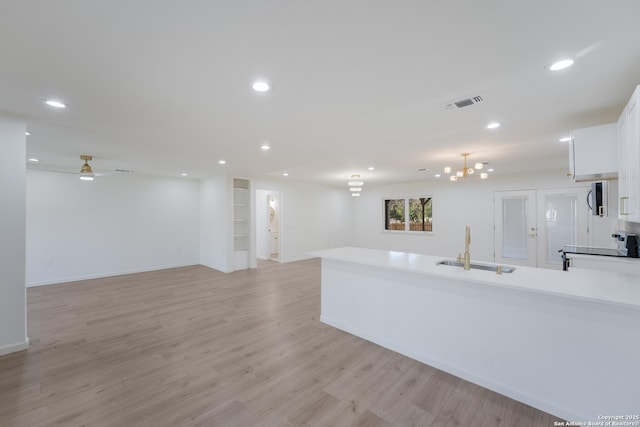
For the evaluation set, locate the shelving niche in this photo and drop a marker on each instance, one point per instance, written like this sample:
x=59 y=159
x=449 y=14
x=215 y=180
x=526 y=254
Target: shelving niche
x=241 y=223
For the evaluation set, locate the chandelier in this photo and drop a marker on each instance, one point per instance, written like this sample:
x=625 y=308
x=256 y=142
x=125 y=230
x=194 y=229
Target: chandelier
x=466 y=171
x=355 y=186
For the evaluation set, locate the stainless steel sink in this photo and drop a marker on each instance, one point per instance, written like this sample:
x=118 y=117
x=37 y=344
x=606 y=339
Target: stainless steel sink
x=476 y=266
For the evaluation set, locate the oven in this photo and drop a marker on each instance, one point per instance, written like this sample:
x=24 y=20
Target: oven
x=627 y=247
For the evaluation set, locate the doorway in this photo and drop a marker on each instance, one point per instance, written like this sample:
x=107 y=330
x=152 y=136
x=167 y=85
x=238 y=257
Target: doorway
x=531 y=226
x=268 y=220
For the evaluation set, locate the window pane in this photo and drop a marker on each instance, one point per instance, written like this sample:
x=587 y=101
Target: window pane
x=420 y=214
x=394 y=214
x=514 y=228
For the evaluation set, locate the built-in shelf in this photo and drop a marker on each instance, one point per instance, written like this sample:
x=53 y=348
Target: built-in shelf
x=241 y=223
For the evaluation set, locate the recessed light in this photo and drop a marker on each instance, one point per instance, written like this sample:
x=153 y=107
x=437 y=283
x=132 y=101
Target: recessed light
x=34 y=160
x=491 y=170
x=183 y=174
x=493 y=125
x=561 y=65
x=222 y=162
x=86 y=178
x=356 y=189
x=371 y=168
x=285 y=174
x=55 y=103
x=565 y=139
x=27 y=133
x=355 y=194
x=260 y=86
x=437 y=175
x=265 y=147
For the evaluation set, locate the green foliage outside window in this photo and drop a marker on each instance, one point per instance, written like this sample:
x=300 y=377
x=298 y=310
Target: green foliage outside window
x=419 y=216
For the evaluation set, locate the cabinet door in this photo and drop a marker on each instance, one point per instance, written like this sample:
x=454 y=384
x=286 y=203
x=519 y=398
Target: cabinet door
x=623 y=165
x=629 y=160
x=633 y=126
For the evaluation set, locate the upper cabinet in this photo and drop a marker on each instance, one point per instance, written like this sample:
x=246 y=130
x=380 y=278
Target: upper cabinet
x=593 y=153
x=629 y=160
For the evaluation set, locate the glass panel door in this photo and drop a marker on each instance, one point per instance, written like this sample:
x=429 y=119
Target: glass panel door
x=563 y=220
x=515 y=229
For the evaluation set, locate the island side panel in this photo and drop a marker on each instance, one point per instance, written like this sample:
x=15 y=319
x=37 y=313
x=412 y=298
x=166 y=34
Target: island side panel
x=574 y=359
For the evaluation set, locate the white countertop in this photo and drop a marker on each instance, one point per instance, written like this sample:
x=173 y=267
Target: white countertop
x=589 y=285
x=612 y=259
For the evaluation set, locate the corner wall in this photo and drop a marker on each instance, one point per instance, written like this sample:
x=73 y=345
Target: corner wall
x=116 y=224
x=13 y=322
x=312 y=217
x=215 y=210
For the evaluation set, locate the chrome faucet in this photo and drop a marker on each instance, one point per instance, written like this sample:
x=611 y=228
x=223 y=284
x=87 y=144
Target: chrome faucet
x=467 y=256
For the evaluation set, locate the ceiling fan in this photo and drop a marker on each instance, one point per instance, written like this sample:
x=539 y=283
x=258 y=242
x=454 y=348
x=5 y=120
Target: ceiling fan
x=86 y=171
x=86 y=174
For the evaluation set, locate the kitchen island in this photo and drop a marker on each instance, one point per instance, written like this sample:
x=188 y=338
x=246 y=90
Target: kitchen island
x=567 y=343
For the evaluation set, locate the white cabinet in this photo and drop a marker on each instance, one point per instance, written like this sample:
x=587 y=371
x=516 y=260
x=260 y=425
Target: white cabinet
x=593 y=153
x=605 y=263
x=629 y=160
x=241 y=223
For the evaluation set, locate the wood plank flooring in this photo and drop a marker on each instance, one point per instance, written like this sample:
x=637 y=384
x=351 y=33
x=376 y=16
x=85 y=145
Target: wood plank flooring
x=195 y=347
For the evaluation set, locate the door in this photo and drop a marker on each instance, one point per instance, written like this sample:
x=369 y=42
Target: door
x=531 y=226
x=268 y=218
x=273 y=203
x=563 y=216
x=515 y=227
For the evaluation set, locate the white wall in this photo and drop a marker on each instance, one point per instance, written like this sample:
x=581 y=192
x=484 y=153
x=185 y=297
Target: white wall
x=455 y=205
x=13 y=322
x=116 y=224
x=215 y=208
x=313 y=217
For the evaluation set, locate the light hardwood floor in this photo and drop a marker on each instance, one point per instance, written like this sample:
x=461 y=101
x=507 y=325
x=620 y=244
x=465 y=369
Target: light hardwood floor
x=195 y=347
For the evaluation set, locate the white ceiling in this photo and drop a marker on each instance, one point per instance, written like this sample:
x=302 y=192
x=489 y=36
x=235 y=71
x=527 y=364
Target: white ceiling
x=164 y=87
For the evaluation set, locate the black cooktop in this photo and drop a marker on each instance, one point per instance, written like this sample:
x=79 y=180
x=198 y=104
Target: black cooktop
x=588 y=250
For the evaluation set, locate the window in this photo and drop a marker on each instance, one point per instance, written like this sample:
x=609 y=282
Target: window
x=408 y=214
x=394 y=214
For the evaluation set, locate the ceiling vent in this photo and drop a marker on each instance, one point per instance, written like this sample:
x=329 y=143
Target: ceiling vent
x=464 y=103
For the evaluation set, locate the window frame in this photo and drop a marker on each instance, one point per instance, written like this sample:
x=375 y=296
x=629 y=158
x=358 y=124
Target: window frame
x=407 y=220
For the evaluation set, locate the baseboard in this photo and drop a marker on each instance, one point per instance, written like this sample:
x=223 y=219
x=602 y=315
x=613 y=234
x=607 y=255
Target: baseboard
x=102 y=275
x=12 y=348
x=483 y=382
x=213 y=267
x=303 y=258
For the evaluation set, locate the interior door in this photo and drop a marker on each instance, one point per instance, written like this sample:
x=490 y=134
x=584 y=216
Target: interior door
x=515 y=227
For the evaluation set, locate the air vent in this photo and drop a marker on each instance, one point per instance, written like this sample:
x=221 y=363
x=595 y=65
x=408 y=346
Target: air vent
x=464 y=103
x=124 y=170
